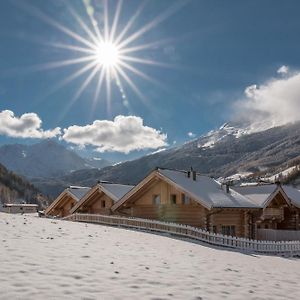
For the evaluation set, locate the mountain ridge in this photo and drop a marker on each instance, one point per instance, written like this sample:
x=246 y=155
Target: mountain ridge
x=257 y=153
x=44 y=159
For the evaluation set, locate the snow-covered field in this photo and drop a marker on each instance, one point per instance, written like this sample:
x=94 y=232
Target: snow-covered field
x=51 y=259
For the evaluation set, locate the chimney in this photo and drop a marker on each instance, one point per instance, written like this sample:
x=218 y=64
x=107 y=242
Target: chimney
x=227 y=188
x=194 y=175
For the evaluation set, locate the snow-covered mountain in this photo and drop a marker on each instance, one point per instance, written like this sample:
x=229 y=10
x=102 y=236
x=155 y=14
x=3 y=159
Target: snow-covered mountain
x=229 y=150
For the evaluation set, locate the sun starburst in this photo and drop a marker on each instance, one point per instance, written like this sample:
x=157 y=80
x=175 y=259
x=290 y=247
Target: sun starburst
x=106 y=54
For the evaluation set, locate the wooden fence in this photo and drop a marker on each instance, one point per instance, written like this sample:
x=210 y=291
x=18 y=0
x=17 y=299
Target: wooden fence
x=291 y=247
x=278 y=235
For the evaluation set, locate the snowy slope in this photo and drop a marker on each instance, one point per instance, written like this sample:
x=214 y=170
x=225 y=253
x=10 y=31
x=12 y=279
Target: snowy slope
x=47 y=259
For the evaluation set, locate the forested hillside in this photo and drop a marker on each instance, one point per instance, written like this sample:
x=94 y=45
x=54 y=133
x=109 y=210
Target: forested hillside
x=15 y=189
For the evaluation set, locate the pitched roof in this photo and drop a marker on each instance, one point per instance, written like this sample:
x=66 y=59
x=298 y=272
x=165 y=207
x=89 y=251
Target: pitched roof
x=114 y=190
x=259 y=194
x=207 y=190
x=78 y=191
x=293 y=194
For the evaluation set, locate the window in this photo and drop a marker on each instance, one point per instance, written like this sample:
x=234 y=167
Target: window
x=214 y=229
x=103 y=203
x=228 y=230
x=156 y=199
x=185 y=199
x=173 y=199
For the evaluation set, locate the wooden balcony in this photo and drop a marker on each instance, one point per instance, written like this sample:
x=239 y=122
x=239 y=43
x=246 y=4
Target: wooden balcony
x=273 y=213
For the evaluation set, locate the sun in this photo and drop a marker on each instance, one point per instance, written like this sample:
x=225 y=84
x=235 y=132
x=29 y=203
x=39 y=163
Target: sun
x=107 y=55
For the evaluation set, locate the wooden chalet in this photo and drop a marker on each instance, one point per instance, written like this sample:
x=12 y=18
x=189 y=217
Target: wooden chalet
x=62 y=205
x=279 y=205
x=101 y=198
x=189 y=198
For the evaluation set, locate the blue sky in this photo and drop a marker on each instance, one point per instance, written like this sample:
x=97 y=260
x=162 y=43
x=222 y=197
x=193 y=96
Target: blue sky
x=214 y=49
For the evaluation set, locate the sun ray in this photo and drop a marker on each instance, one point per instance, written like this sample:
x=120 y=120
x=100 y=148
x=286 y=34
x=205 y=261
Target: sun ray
x=131 y=21
x=122 y=90
x=98 y=89
x=141 y=74
x=70 y=78
x=81 y=23
x=160 y=18
x=61 y=63
x=85 y=83
x=106 y=22
x=39 y=14
x=108 y=91
x=70 y=47
x=132 y=85
x=116 y=20
x=90 y=12
x=146 y=46
x=78 y=93
x=145 y=61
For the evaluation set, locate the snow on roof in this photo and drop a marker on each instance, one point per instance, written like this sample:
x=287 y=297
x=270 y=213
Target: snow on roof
x=293 y=194
x=207 y=190
x=117 y=191
x=19 y=205
x=78 y=191
x=258 y=194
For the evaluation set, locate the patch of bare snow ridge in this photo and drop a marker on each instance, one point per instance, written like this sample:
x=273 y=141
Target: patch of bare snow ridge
x=52 y=259
x=234 y=129
x=214 y=136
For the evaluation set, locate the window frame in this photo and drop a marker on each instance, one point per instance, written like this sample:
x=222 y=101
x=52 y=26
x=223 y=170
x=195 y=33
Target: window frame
x=229 y=230
x=185 y=200
x=156 y=200
x=173 y=199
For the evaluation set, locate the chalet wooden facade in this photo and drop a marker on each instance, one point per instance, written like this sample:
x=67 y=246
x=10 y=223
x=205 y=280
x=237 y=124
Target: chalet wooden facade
x=101 y=198
x=63 y=204
x=279 y=206
x=193 y=199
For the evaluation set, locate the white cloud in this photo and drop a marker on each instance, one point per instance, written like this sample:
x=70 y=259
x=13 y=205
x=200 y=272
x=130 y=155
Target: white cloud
x=283 y=70
x=191 y=134
x=26 y=126
x=123 y=134
x=273 y=103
